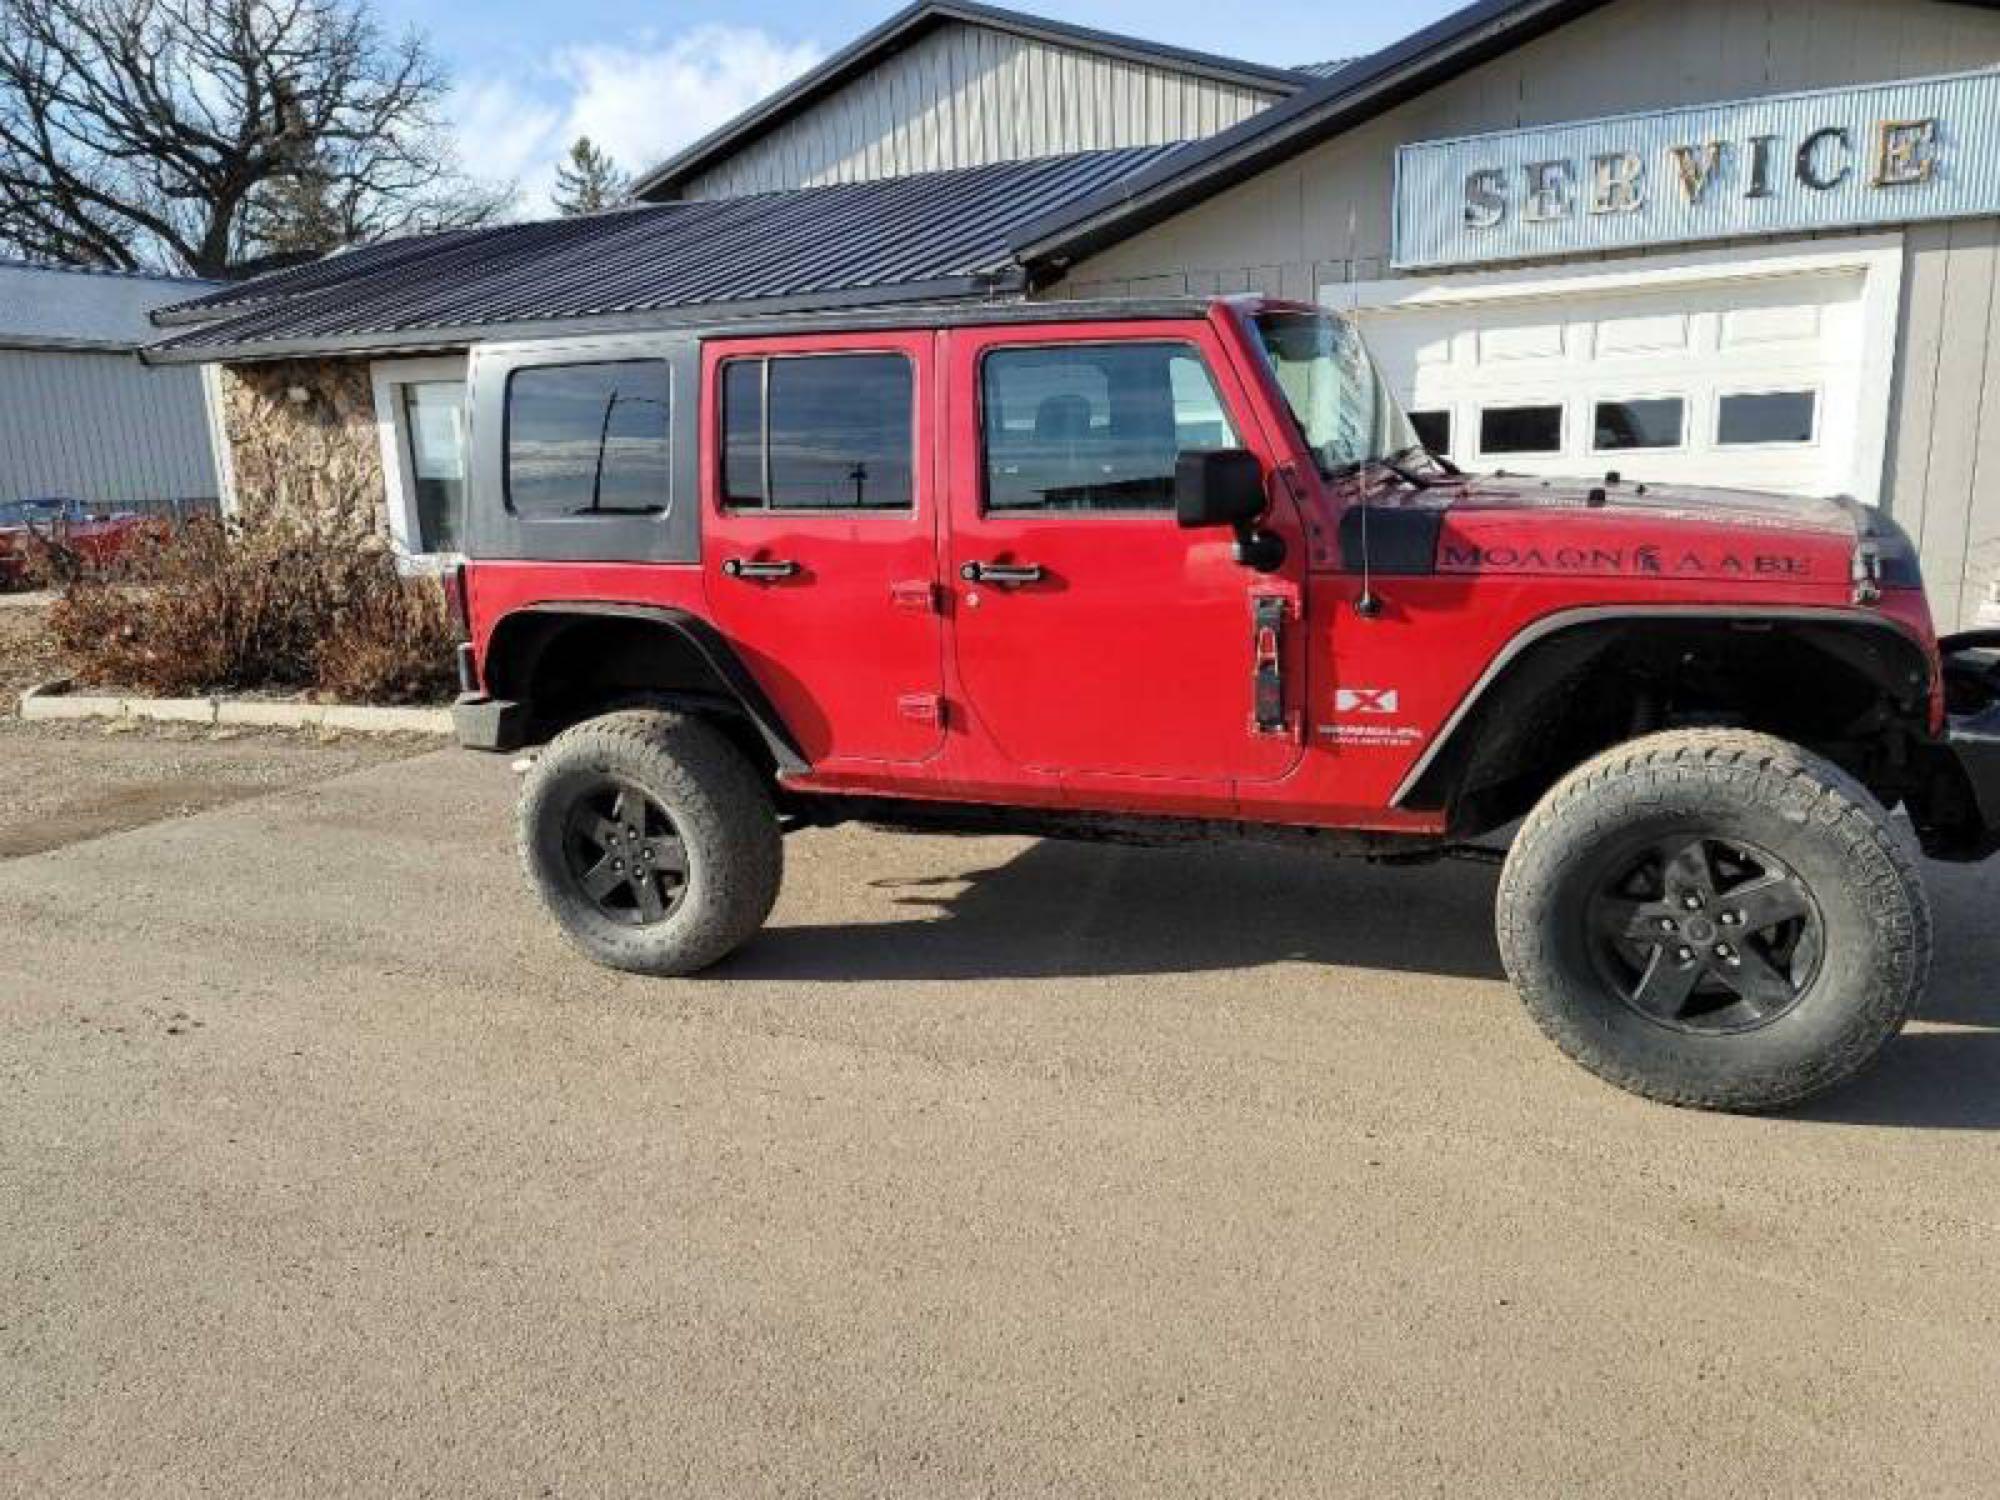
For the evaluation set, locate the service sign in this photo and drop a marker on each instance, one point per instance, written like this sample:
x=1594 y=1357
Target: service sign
x=1838 y=158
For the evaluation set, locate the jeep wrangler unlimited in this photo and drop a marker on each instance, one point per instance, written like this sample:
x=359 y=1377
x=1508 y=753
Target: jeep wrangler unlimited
x=1177 y=571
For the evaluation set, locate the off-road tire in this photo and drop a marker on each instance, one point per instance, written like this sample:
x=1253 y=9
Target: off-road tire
x=720 y=806
x=1727 y=785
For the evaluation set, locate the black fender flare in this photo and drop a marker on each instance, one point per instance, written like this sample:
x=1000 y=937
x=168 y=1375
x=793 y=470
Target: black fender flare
x=1427 y=783
x=711 y=648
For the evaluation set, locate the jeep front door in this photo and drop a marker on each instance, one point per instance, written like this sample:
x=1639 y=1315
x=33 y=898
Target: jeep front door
x=820 y=543
x=1094 y=638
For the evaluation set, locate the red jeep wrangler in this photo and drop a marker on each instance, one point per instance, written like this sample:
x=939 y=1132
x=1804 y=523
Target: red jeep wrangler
x=1175 y=571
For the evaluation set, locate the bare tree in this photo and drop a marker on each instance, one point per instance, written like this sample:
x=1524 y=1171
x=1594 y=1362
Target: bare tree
x=587 y=181
x=219 y=137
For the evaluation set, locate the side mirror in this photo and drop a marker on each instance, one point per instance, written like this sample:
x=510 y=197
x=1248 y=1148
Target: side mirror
x=1224 y=487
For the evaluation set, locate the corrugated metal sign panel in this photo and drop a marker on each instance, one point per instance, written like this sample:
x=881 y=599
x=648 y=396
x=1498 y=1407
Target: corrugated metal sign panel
x=1835 y=158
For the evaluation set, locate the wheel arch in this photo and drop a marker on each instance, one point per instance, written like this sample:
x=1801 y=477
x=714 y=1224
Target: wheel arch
x=568 y=661
x=1525 y=722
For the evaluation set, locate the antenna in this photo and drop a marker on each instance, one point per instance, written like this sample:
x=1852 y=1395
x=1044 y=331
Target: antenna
x=1368 y=605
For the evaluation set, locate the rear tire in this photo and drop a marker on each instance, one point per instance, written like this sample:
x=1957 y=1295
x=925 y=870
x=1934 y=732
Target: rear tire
x=652 y=841
x=1714 y=919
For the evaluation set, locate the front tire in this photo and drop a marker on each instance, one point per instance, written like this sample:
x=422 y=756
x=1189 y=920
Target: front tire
x=1714 y=919
x=652 y=840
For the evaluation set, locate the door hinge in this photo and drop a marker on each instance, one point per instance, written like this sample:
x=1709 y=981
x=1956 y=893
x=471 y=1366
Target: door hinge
x=1268 y=613
x=922 y=708
x=918 y=594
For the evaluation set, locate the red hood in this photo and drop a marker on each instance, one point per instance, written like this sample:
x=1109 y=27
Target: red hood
x=1662 y=502
x=1711 y=536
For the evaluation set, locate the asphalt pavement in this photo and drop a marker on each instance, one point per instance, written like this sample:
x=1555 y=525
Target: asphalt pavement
x=994 y=1167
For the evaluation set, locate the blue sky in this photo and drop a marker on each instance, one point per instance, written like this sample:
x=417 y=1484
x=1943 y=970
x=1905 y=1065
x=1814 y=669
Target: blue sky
x=646 y=80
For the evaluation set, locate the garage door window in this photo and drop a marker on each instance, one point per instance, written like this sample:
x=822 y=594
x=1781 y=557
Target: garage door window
x=1625 y=426
x=1764 y=417
x=1521 y=429
x=1433 y=430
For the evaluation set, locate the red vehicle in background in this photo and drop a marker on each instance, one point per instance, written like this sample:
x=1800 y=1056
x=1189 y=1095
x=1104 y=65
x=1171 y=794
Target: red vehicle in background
x=1175 y=571
x=63 y=536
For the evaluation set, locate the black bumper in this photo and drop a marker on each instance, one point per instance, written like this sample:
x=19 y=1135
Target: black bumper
x=1961 y=816
x=484 y=723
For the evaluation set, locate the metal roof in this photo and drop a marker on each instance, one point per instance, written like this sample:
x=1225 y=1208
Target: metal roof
x=1326 y=69
x=934 y=236
x=1354 y=94
x=903 y=28
x=82 y=307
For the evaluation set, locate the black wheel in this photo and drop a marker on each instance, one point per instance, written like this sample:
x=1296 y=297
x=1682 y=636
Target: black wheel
x=1714 y=918
x=652 y=841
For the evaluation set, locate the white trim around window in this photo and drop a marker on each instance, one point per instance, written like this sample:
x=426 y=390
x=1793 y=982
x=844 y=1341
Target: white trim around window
x=388 y=377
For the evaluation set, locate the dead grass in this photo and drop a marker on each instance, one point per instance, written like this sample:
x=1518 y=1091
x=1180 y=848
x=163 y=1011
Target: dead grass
x=269 y=605
x=28 y=652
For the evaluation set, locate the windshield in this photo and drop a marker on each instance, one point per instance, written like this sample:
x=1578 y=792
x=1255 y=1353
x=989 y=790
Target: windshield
x=1337 y=396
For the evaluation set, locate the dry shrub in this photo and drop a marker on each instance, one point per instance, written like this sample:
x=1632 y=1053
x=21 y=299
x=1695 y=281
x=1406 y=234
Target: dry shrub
x=265 y=604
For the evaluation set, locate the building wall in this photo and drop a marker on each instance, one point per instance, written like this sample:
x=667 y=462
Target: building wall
x=318 y=458
x=965 y=96
x=1324 y=216
x=100 y=426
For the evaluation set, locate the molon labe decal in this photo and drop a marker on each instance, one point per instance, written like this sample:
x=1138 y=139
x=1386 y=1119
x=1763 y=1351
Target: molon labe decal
x=1679 y=559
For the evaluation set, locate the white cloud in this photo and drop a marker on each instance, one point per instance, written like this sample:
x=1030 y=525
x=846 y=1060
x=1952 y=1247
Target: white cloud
x=639 y=101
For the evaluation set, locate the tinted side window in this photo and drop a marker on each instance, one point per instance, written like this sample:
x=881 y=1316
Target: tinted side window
x=1095 y=427
x=818 y=432
x=588 y=439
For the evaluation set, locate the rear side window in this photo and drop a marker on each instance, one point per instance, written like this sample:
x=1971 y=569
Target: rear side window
x=818 y=432
x=588 y=439
x=1095 y=427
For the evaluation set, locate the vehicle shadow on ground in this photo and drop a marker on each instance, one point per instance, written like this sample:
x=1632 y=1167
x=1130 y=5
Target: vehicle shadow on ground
x=1063 y=910
x=1945 y=1073
x=1072 y=910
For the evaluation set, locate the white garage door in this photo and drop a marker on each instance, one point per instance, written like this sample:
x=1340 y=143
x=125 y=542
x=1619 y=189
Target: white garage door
x=1753 y=382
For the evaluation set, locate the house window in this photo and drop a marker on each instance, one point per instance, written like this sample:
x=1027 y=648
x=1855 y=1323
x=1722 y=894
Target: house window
x=1521 y=429
x=1623 y=426
x=1433 y=430
x=434 y=423
x=819 y=432
x=588 y=439
x=1095 y=427
x=420 y=418
x=1767 y=417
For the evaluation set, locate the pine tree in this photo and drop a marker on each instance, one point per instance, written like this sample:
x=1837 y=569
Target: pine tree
x=588 y=181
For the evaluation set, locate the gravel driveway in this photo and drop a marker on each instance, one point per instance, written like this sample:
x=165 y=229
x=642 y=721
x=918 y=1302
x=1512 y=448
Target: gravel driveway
x=993 y=1168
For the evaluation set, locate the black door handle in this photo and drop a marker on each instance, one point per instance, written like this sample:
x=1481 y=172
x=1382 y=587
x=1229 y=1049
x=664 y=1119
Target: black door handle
x=738 y=567
x=1004 y=575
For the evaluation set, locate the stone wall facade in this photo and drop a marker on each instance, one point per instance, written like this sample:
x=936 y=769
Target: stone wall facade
x=302 y=439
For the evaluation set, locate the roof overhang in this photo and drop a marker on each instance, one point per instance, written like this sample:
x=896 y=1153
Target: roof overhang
x=38 y=344
x=213 y=345
x=1461 y=41
x=906 y=27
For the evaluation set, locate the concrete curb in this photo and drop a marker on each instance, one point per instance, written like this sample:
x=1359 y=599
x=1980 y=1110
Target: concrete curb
x=53 y=702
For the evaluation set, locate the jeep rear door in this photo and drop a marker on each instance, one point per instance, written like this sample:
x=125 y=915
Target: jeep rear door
x=820 y=537
x=1095 y=639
